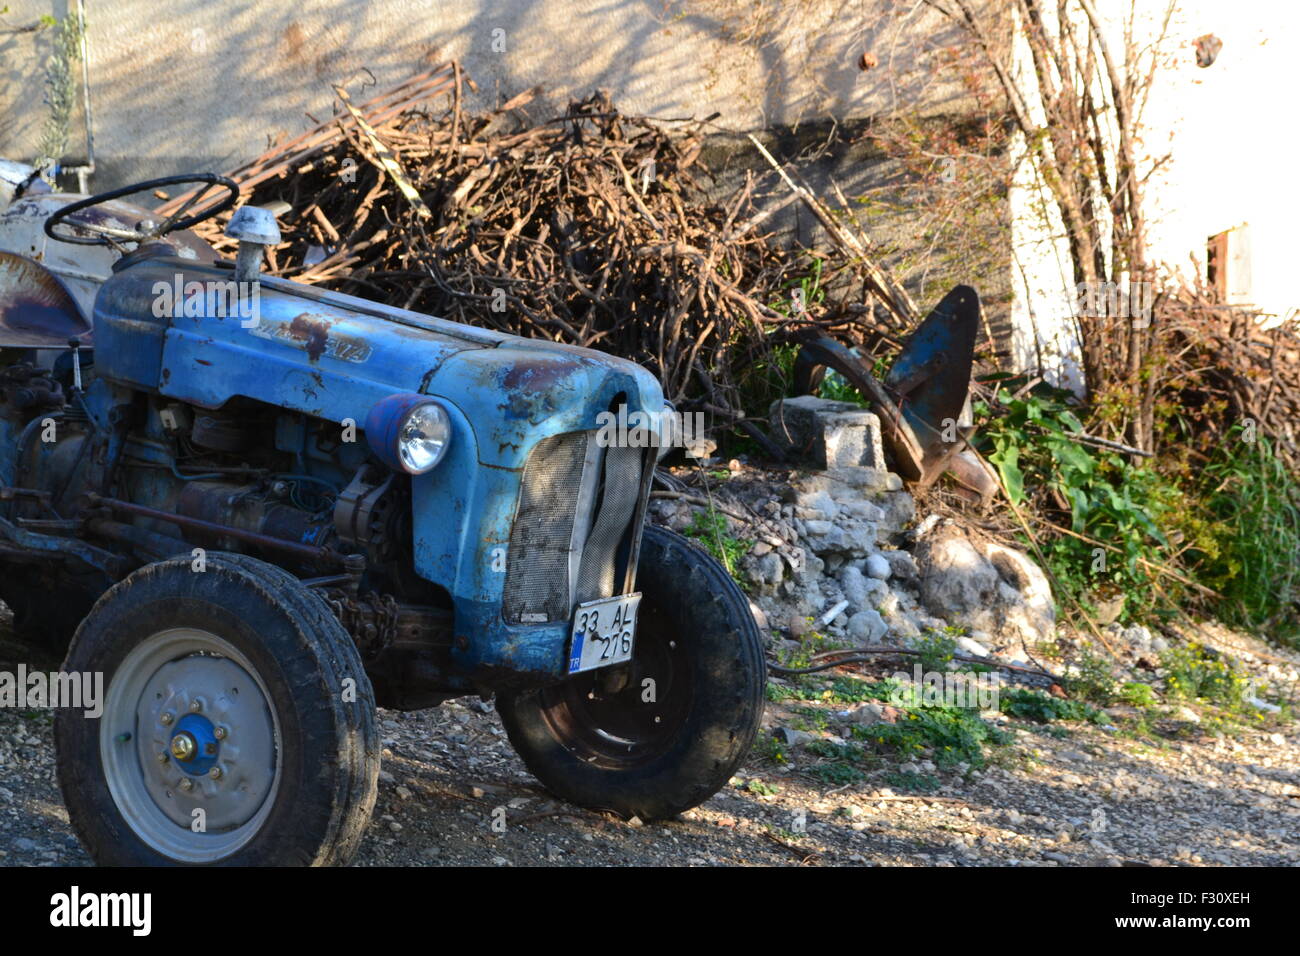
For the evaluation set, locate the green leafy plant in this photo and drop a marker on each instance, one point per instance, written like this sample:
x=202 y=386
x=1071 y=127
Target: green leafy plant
x=840 y=763
x=835 y=388
x=936 y=650
x=769 y=747
x=913 y=782
x=768 y=377
x=1043 y=708
x=1093 y=678
x=779 y=692
x=951 y=734
x=1033 y=442
x=1194 y=673
x=710 y=529
x=805 y=290
x=760 y=787
x=1253 y=502
x=60 y=88
x=854 y=690
x=1137 y=694
x=1232 y=523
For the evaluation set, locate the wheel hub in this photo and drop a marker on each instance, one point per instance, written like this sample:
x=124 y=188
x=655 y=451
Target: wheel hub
x=202 y=745
x=195 y=746
x=230 y=777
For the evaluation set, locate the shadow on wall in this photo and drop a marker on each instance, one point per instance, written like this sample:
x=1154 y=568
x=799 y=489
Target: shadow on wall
x=25 y=46
x=205 y=86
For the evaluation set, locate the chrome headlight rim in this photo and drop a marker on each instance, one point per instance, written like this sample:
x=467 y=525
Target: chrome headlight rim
x=422 y=424
x=396 y=422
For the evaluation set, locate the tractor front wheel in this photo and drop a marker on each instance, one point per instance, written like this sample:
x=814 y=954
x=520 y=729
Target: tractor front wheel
x=664 y=732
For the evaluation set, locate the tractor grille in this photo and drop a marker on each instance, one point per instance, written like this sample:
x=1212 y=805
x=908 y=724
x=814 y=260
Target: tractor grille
x=576 y=513
x=618 y=501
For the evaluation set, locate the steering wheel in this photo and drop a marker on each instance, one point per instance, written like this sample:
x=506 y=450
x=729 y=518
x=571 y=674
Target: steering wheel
x=145 y=230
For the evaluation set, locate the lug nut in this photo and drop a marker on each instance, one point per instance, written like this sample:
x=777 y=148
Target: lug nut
x=167 y=718
x=216 y=773
x=220 y=733
x=163 y=758
x=183 y=747
x=187 y=784
x=196 y=706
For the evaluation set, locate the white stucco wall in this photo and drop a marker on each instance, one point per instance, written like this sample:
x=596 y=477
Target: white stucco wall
x=1232 y=141
x=1232 y=131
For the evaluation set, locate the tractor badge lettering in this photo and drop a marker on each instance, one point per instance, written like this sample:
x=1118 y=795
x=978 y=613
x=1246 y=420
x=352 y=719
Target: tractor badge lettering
x=313 y=339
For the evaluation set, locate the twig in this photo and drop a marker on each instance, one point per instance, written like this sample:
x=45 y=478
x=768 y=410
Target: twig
x=832 y=659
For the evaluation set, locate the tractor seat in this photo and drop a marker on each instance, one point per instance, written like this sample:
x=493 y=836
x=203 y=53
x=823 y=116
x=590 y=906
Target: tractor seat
x=36 y=309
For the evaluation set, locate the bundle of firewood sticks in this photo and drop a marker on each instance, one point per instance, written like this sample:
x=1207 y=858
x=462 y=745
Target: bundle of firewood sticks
x=592 y=228
x=1229 y=368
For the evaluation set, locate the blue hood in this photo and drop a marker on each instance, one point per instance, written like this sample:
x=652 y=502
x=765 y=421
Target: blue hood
x=333 y=356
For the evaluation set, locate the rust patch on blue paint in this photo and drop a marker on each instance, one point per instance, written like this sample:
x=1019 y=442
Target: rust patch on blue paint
x=314 y=333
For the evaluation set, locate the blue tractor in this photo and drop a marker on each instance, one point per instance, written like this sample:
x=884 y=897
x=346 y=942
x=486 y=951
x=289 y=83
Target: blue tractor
x=259 y=509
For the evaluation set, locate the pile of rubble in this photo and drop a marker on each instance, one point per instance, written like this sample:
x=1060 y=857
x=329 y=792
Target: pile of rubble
x=836 y=547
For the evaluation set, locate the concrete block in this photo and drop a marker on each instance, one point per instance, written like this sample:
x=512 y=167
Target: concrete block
x=831 y=435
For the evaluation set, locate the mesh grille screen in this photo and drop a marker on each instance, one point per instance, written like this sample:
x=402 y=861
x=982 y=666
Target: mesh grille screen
x=537 y=568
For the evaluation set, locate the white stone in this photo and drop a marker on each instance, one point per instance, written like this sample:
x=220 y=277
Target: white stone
x=985 y=586
x=955 y=577
x=878 y=567
x=901 y=564
x=867 y=627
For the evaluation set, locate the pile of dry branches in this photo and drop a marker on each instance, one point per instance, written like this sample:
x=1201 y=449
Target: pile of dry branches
x=1225 y=369
x=592 y=228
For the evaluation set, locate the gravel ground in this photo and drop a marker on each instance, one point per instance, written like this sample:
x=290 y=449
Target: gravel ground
x=453 y=792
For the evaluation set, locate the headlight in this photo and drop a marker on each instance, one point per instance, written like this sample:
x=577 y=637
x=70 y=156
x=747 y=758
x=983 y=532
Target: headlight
x=409 y=432
x=422 y=438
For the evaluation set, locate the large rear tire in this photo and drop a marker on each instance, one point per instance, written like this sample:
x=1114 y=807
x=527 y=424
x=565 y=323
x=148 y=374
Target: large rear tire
x=664 y=733
x=238 y=725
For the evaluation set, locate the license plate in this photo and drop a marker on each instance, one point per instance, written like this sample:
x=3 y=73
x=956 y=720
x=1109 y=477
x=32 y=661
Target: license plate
x=603 y=632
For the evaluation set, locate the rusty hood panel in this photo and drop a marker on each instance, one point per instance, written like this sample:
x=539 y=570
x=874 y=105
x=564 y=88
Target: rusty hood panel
x=334 y=356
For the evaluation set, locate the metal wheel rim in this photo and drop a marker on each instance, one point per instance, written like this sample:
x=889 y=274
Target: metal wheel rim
x=166 y=674
x=594 y=729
